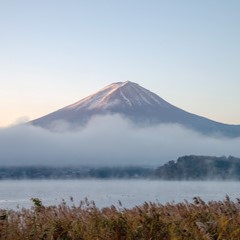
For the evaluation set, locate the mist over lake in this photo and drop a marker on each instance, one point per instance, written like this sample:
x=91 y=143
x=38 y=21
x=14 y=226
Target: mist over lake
x=107 y=192
x=108 y=141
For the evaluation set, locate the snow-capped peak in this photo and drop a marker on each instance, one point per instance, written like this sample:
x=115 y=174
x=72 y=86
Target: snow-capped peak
x=135 y=103
x=124 y=94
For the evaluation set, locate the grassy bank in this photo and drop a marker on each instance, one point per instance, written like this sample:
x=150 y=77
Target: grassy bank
x=196 y=220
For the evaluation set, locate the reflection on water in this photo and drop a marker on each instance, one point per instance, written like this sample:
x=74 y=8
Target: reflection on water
x=107 y=192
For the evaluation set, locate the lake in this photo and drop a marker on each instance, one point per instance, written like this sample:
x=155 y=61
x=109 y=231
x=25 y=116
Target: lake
x=15 y=193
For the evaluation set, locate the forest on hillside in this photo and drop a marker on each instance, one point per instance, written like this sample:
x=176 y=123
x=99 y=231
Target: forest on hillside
x=194 y=167
x=189 y=167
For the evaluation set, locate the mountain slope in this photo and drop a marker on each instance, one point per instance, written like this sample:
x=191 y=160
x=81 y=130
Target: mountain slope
x=137 y=104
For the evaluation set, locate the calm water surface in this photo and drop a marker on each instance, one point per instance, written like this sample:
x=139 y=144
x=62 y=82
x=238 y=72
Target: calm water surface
x=107 y=192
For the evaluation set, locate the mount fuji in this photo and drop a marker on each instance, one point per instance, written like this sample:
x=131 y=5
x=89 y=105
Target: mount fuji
x=136 y=103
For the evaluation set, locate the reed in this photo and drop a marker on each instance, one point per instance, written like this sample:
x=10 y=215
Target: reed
x=213 y=220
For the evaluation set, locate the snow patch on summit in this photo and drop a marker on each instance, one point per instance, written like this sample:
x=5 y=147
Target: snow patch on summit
x=120 y=93
x=111 y=104
x=150 y=95
x=125 y=98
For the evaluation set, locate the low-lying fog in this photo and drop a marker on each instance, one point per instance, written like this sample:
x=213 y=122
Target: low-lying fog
x=107 y=141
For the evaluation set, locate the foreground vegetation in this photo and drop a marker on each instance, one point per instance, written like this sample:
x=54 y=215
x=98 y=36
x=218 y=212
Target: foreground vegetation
x=197 y=220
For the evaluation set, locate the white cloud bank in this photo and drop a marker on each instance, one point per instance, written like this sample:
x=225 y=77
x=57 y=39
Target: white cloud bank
x=108 y=141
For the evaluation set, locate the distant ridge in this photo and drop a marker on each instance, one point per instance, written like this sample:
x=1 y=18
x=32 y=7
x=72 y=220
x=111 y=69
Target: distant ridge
x=195 y=167
x=136 y=103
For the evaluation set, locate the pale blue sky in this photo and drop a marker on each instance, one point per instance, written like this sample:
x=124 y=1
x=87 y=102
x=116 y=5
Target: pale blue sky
x=54 y=52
